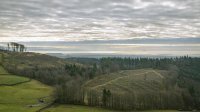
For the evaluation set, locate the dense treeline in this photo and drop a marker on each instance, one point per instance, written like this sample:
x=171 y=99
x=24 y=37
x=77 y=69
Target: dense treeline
x=69 y=78
x=186 y=66
x=139 y=100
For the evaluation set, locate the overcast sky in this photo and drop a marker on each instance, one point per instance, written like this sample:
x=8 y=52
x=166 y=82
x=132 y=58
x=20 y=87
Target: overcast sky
x=97 y=20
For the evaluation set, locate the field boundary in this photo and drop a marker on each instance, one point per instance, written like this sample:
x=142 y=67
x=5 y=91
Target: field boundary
x=4 y=74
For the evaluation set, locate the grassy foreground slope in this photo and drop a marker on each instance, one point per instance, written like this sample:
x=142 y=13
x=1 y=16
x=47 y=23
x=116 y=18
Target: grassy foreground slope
x=73 y=108
x=22 y=97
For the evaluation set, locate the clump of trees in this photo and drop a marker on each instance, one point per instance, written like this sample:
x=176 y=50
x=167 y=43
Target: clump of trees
x=16 y=47
x=70 y=92
x=106 y=97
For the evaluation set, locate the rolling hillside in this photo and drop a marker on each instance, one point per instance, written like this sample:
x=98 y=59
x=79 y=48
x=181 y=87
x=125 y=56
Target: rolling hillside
x=137 y=89
x=108 y=84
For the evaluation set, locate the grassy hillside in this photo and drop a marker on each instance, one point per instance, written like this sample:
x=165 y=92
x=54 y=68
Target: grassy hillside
x=23 y=97
x=10 y=79
x=129 y=81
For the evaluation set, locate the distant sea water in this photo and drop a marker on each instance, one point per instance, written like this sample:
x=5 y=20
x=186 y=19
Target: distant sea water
x=122 y=48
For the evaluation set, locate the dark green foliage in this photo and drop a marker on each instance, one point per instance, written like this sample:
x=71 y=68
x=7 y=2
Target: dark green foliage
x=191 y=90
x=1 y=58
x=106 y=97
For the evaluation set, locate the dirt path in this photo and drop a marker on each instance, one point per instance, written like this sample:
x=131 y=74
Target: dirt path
x=158 y=74
x=96 y=78
x=47 y=106
x=110 y=82
x=41 y=101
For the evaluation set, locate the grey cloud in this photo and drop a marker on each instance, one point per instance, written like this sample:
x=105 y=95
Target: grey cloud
x=99 y=19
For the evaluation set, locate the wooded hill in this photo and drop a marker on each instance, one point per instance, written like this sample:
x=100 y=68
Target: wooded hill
x=180 y=82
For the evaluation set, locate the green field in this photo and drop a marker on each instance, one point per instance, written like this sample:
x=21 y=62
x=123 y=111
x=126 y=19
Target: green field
x=10 y=79
x=23 y=97
x=73 y=108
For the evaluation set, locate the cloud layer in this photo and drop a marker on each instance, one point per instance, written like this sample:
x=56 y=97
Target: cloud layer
x=80 y=20
x=103 y=26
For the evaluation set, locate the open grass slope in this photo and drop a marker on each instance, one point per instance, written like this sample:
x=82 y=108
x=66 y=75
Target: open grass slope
x=22 y=97
x=11 y=79
x=6 y=78
x=129 y=81
x=74 y=108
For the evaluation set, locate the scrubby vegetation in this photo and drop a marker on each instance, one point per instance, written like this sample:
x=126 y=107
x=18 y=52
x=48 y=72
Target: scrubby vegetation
x=115 y=83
